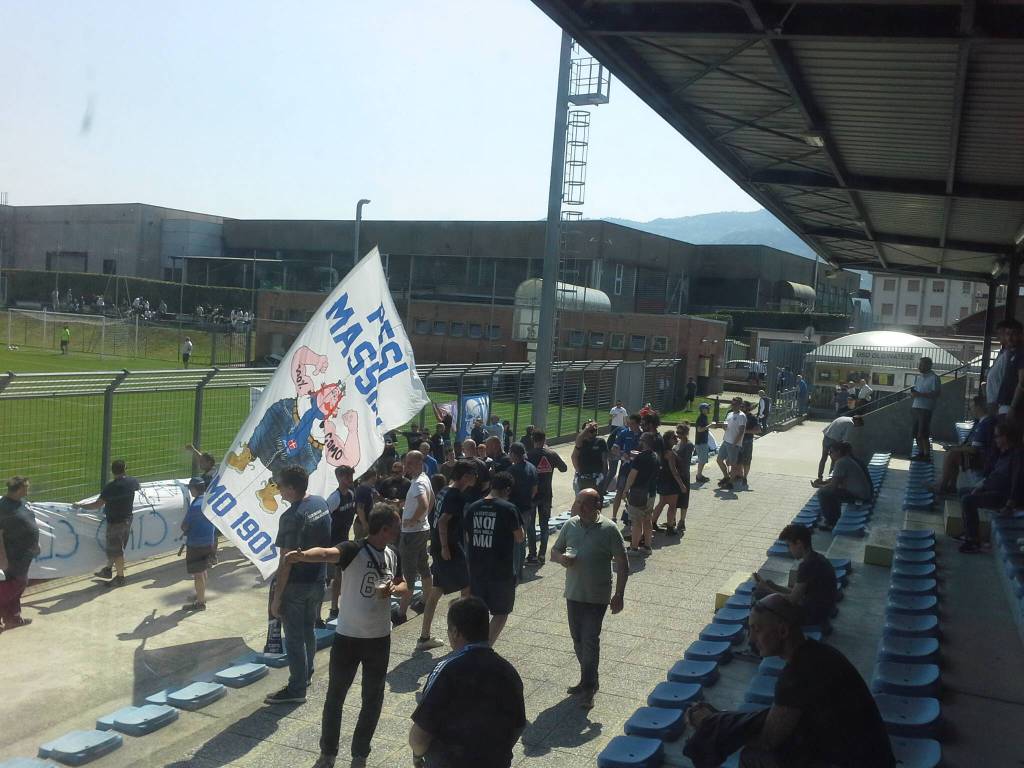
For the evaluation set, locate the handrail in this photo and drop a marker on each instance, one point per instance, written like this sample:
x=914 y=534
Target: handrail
x=894 y=397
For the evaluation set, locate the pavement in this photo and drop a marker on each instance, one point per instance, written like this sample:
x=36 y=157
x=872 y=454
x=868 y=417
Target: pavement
x=91 y=650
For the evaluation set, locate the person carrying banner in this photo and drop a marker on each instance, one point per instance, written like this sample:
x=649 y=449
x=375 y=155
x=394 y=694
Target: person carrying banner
x=19 y=544
x=299 y=589
x=369 y=578
x=199 y=543
x=118 y=502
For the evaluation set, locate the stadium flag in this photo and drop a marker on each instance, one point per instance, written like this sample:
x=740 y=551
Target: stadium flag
x=348 y=378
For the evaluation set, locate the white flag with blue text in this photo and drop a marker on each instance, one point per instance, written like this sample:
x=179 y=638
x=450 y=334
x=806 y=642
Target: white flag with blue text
x=348 y=378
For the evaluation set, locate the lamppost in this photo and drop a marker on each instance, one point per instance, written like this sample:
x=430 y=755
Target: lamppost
x=355 y=236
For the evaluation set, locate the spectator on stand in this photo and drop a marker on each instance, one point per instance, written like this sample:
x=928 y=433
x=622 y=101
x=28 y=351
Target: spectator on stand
x=118 y=502
x=815 y=591
x=589 y=458
x=478 y=433
x=926 y=395
x=494 y=428
x=460 y=725
x=19 y=545
x=864 y=395
x=835 y=433
x=700 y=442
x=972 y=455
x=1001 y=490
x=1010 y=397
x=430 y=465
x=199 y=541
x=849 y=482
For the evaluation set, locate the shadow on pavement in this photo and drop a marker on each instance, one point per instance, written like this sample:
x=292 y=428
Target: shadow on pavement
x=563 y=725
x=406 y=676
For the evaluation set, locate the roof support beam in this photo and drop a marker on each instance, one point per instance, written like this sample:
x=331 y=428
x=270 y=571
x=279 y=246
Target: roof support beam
x=907 y=240
x=922 y=187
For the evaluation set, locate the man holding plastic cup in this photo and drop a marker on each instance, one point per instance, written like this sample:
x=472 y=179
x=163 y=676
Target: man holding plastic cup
x=588 y=546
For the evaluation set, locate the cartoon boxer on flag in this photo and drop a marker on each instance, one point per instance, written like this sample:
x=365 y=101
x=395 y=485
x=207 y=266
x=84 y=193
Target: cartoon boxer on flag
x=300 y=431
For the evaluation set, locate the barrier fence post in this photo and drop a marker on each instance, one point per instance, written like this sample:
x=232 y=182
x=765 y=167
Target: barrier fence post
x=197 y=416
x=561 y=402
x=108 y=424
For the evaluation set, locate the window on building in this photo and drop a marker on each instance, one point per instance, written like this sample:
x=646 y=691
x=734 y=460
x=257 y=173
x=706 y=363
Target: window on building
x=576 y=338
x=935 y=311
x=476 y=331
x=494 y=332
x=938 y=286
x=440 y=328
x=637 y=343
x=910 y=310
x=889 y=284
x=618 y=279
x=617 y=341
x=883 y=379
x=597 y=339
x=295 y=315
x=458 y=330
x=887 y=309
x=965 y=288
x=659 y=344
x=277 y=314
x=913 y=285
x=109 y=266
x=423 y=326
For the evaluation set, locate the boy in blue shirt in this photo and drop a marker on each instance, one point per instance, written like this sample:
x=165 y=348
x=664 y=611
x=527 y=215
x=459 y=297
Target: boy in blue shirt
x=199 y=539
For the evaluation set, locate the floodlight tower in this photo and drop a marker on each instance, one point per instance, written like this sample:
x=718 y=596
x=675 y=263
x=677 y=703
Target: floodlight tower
x=582 y=82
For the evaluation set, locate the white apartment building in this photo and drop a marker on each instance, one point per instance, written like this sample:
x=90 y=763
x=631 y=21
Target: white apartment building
x=923 y=303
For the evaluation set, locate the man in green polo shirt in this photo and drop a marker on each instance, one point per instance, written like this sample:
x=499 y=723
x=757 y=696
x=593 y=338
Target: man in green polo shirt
x=587 y=547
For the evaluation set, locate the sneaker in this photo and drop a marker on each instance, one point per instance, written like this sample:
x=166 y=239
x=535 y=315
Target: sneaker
x=428 y=643
x=324 y=761
x=117 y=581
x=284 y=696
x=15 y=623
x=194 y=606
x=532 y=560
x=104 y=573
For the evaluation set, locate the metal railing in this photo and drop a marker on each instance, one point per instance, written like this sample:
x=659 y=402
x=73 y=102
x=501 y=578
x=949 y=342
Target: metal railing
x=62 y=429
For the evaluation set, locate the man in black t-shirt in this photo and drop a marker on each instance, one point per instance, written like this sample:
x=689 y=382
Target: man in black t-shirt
x=342 y=505
x=747 y=446
x=394 y=487
x=823 y=712
x=524 y=489
x=492 y=529
x=546 y=461
x=447 y=548
x=472 y=710
x=365 y=497
x=643 y=471
x=815 y=591
x=19 y=543
x=700 y=442
x=589 y=459
x=118 y=501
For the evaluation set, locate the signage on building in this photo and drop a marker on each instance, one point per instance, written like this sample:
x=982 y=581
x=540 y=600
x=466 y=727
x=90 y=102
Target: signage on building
x=877 y=356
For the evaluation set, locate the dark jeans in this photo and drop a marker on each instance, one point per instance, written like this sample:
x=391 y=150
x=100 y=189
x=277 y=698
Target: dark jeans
x=826 y=443
x=585 y=629
x=540 y=512
x=10 y=600
x=347 y=653
x=974 y=501
x=831 y=503
x=300 y=607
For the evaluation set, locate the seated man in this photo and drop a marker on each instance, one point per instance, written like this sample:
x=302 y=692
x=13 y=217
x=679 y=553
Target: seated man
x=815 y=590
x=972 y=454
x=823 y=717
x=1003 y=486
x=849 y=482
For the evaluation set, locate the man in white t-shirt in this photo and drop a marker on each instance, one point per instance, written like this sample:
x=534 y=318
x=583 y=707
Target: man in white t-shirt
x=412 y=547
x=367 y=571
x=836 y=433
x=729 y=452
x=617 y=416
x=186 y=351
x=926 y=395
x=864 y=393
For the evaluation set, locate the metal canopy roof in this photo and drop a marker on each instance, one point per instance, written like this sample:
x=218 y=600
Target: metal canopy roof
x=888 y=134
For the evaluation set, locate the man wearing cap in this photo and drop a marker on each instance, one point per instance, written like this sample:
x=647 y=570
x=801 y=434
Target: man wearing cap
x=700 y=442
x=199 y=539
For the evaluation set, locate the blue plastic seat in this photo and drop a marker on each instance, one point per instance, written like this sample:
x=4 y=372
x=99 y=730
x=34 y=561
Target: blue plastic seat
x=706 y=650
x=841 y=563
x=778 y=550
x=915 y=545
x=913 y=556
x=916 y=753
x=909 y=716
x=324 y=637
x=771 y=665
x=138 y=721
x=909 y=650
x=27 y=762
x=906 y=679
x=740 y=601
x=191 y=697
x=631 y=752
x=912 y=533
x=909 y=625
x=913 y=604
x=275 y=660
x=898 y=586
x=761 y=689
x=746 y=588
x=656 y=723
x=241 y=675
x=913 y=570
x=689 y=671
x=675 y=695
x=731 y=616
x=731 y=632
x=80 y=747
x=849 y=530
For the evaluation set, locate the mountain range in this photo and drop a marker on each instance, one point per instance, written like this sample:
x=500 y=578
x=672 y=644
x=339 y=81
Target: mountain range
x=745 y=227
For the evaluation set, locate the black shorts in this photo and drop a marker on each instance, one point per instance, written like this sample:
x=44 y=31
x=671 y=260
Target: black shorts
x=449 y=575
x=498 y=596
x=746 y=452
x=683 y=499
x=197 y=559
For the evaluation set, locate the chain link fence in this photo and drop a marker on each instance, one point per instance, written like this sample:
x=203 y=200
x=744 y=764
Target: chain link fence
x=63 y=429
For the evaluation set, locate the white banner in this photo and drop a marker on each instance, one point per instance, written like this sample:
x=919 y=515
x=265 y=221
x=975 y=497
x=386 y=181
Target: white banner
x=72 y=542
x=348 y=378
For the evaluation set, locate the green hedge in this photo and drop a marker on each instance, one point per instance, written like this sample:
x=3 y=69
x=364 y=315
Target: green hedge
x=36 y=285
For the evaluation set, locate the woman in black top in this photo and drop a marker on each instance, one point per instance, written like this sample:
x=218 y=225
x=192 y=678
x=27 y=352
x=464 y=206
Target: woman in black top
x=670 y=484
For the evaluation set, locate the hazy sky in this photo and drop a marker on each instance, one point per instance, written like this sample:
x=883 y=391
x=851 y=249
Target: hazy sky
x=434 y=110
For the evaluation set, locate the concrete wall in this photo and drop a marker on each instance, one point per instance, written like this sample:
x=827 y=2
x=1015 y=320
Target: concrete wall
x=890 y=429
